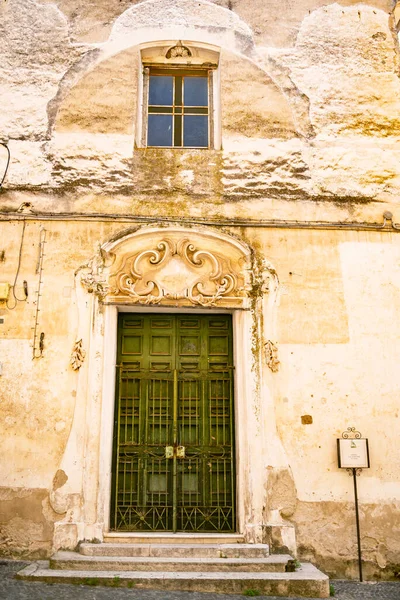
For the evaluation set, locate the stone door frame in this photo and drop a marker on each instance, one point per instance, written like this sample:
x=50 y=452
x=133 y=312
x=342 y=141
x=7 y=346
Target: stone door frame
x=222 y=273
x=108 y=404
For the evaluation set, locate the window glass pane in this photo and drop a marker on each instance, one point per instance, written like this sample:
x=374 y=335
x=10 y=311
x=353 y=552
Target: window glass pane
x=195 y=91
x=195 y=131
x=161 y=90
x=160 y=130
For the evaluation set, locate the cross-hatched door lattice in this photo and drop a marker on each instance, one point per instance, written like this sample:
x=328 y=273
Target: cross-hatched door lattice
x=174 y=424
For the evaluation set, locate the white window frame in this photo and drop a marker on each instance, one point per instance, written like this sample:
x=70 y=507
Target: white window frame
x=214 y=106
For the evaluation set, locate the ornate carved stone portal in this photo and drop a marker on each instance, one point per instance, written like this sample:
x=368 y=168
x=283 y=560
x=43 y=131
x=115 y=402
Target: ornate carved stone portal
x=185 y=267
x=176 y=269
x=172 y=266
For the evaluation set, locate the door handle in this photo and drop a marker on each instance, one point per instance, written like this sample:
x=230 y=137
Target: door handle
x=180 y=451
x=175 y=451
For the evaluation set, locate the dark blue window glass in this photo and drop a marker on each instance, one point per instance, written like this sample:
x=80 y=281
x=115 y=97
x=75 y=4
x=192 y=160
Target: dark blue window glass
x=159 y=130
x=195 y=131
x=161 y=90
x=178 y=110
x=195 y=91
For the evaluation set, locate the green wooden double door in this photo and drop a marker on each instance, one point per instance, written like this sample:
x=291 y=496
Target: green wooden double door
x=174 y=463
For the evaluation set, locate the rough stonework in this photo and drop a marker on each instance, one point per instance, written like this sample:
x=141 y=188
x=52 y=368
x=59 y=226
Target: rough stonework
x=335 y=522
x=88 y=106
x=27 y=522
x=351 y=80
x=35 y=54
x=286 y=220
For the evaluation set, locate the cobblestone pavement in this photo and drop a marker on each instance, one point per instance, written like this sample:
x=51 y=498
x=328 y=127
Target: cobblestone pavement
x=12 y=589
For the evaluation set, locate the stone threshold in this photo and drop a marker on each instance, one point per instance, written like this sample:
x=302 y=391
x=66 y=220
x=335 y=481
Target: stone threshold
x=173 y=538
x=199 y=550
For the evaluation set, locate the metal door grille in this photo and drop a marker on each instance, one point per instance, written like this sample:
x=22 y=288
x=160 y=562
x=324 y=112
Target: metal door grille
x=174 y=458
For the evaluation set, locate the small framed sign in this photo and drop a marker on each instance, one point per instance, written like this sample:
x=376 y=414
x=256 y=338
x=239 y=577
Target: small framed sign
x=353 y=453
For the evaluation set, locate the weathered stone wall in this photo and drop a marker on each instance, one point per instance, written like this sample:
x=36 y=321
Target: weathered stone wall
x=319 y=120
x=310 y=104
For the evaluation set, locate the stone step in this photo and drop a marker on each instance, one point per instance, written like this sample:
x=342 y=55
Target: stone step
x=177 y=550
x=74 y=561
x=306 y=582
x=173 y=538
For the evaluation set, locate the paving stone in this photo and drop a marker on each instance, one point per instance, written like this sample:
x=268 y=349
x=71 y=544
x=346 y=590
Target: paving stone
x=12 y=589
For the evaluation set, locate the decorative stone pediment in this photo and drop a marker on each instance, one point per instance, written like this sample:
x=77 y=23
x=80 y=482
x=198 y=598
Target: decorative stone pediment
x=176 y=266
x=179 y=266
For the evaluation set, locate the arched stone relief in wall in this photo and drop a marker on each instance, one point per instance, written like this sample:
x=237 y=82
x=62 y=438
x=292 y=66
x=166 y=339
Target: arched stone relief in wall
x=176 y=266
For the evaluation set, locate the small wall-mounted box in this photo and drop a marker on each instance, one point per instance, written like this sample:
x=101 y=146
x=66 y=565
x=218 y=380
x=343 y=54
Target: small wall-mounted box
x=4 y=291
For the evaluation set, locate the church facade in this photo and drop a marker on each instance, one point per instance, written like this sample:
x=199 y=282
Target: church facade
x=200 y=274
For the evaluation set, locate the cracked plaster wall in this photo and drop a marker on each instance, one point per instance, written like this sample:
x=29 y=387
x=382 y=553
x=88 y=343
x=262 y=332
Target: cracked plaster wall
x=326 y=535
x=336 y=365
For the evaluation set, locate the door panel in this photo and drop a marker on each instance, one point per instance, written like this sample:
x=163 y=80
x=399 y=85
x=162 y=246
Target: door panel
x=173 y=466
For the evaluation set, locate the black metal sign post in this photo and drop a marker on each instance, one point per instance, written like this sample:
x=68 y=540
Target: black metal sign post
x=357 y=523
x=353 y=455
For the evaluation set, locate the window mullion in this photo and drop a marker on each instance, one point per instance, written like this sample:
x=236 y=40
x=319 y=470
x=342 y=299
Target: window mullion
x=178 y=118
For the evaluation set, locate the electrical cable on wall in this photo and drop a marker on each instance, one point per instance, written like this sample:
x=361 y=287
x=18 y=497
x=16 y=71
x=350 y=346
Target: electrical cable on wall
x=388 y=224
x=25 y=284
x=8 y=161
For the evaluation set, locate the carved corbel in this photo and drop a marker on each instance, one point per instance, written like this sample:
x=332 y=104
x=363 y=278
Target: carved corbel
x=95 y=284
x=92 y=275
x=262 y=276
x=77 y=356
x=100 y=260
x=271 y=356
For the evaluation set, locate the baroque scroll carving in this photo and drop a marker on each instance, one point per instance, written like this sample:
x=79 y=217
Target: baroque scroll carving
x=176 y=270
x=178 y=266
